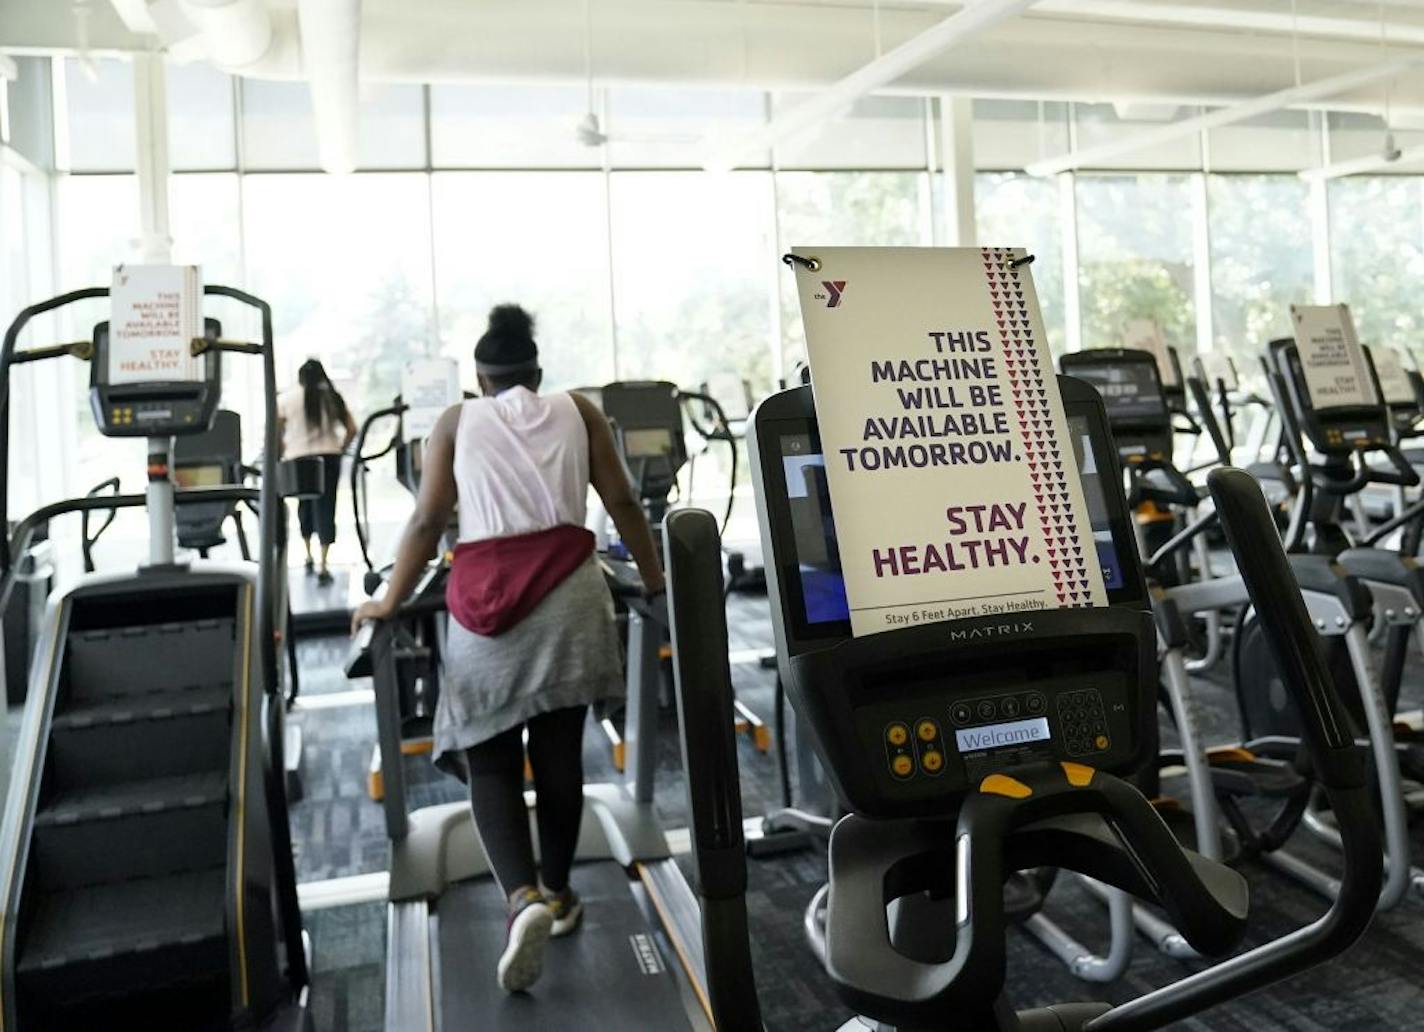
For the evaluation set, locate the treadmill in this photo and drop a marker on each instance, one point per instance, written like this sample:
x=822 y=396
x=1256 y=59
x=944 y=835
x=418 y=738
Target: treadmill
x=637 y=960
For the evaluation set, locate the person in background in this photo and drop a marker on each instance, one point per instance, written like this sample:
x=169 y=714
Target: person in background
x=313 y=420
x=531 y=641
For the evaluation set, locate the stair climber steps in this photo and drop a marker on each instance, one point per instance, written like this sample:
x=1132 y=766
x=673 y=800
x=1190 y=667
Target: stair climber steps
x=150 y=658
x=131 y=798
x=136 y=829
x=127 y=938
x=165 y=705
x=100 y=742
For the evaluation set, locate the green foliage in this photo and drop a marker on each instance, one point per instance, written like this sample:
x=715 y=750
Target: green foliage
x=1116 y=292
x=1377 y=245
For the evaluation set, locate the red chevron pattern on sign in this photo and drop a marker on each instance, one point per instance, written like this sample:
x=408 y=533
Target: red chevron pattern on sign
x=1027 y=369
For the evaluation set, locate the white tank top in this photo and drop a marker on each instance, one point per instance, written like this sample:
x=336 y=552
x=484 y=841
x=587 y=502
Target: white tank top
x=521 y=464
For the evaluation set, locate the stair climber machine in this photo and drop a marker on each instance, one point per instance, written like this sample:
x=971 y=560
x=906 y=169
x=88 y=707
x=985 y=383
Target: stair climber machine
x=146 y=859
x=649 y=419
x=937 y=821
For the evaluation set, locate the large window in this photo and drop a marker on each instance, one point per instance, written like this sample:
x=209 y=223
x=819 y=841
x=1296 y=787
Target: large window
x=1377 y=254
x=201 y=133
x=345 y=263
x=1135 y=257
x=693 y=257
x=1021 y=211
x=536 y=238
x=476 y=126
x=834 y=209
x=36 y=475
x=96 y=134
x=635 y=261
x=1260 y=260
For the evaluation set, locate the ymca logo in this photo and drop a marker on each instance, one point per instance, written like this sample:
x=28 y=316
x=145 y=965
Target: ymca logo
x=832 y=295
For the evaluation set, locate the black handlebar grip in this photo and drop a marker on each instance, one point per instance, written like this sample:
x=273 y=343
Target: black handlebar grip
x=703 y=686
x=1293 y=642
x=1404 y=475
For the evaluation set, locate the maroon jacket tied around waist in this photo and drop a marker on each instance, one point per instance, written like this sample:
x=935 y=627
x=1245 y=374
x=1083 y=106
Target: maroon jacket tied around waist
x=497 y=582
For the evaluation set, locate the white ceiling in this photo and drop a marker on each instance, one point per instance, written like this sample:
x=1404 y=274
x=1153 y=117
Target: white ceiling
x=1178 y=51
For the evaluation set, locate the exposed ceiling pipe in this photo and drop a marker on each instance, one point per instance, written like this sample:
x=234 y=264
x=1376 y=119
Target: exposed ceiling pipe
x=331 y=45
x=1228 y=19
x=1388 y=157
x=970 y=19
x=1093 y=156
x=135 y=15
x=237 y=33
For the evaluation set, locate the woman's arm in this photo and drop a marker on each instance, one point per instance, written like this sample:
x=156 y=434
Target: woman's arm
x=281 y=436
x=422 y=531
x=610 y=480
x=350 y=422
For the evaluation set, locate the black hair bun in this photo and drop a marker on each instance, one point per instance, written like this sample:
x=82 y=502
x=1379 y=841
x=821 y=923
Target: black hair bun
x=511 y=321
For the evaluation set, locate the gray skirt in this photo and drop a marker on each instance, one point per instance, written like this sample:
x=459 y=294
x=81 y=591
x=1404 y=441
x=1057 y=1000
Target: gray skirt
x=564 y=653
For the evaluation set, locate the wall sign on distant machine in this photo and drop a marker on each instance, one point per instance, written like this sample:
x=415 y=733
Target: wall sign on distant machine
x=1146 y=335
x=428 y=387
x=1331 y=356
x=952 y=475
x=1393 y=380
x=155 y=312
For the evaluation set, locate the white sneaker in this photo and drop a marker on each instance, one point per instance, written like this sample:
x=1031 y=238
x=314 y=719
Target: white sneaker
x=523 y=959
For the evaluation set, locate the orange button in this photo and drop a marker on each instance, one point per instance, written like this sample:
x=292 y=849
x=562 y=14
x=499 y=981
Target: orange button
x=927 y=730
x=1002 y=784
x=897 y=734
x=932 y=761
x=1078 y=775
x=1101 y=741
x=902 y=765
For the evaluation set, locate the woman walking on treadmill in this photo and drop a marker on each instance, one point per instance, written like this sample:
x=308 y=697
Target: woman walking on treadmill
x=313 y=420
x=532 y=641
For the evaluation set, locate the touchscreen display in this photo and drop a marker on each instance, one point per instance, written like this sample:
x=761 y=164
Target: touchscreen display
x=818 y=556
x=1129 y=390
x=647 y=443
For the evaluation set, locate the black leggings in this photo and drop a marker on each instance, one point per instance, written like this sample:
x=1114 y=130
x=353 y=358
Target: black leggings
x=496 y=773
x=318 y=515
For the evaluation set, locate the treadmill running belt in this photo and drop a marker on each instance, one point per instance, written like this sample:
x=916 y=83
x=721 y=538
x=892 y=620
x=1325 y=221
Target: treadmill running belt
x=608 y=974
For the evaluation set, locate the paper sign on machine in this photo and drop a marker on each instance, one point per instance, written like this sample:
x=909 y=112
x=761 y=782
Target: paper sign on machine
x=1331 y=356
x=155 y=312
x=953 y=481
x=428 y=387
x=1393 y=380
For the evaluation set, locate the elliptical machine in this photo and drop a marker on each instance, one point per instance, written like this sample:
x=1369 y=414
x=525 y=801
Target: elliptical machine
x=936 y=844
